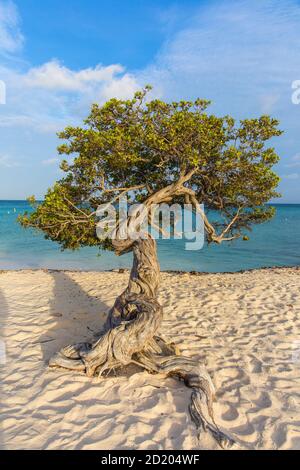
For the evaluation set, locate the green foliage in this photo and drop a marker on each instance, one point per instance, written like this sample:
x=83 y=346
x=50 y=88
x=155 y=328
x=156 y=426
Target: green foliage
x=130 y=143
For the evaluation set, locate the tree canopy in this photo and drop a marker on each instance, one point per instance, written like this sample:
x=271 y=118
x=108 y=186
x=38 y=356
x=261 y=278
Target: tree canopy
x=142 y=147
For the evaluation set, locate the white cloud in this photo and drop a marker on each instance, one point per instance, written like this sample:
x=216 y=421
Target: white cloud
x=49 y=97
x=291 y=176
x=122 y=87
x=295 y=161
x=243 y=55
x=11 y=38
x=55 y=76
x=50 y=161
x=7 y=162
x=268 y=102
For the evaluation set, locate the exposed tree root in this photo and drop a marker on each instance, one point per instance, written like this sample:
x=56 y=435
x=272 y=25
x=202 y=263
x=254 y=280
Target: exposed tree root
x=130 y=337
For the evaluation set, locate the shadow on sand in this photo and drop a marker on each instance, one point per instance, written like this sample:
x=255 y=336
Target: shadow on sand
x=79 y=316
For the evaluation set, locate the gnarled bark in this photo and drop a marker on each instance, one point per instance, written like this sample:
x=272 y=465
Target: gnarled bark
x=131 y=336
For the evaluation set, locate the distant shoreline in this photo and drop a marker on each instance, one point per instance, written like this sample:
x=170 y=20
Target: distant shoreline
x=167 y=271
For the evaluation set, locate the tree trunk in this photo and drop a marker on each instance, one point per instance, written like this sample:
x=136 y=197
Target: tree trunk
x=130 y=336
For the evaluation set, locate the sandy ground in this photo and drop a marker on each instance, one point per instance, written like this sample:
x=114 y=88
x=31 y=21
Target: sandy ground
x=245 y=327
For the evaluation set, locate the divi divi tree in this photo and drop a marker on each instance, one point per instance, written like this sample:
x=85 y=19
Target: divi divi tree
x=155 y=152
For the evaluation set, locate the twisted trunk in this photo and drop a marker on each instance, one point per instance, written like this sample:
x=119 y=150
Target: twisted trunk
x=144 y=280
x=130 y=336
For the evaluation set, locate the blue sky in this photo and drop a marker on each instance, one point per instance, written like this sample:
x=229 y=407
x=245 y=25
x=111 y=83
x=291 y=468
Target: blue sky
x=57 y=57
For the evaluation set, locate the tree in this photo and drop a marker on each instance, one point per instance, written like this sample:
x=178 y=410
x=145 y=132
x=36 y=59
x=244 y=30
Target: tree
x=155 y=152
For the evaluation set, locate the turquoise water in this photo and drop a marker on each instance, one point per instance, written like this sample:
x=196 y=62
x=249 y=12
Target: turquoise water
x=275 y=243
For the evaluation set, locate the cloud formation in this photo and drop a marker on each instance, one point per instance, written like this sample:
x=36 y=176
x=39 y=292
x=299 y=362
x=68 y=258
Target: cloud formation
x=55 y=76
x=48 y=97
x=242 y=55
x=291 y=176
x=7 y=162
x=11 y=38
x=295 y=161
x=51 y=161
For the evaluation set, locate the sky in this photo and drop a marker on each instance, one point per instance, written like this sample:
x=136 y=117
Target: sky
x=58 y=57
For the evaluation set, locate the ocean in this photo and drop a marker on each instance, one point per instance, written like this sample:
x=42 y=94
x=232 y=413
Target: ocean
x=275 y=243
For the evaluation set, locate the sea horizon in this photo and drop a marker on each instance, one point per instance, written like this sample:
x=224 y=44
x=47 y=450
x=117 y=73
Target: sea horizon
x=272 y=244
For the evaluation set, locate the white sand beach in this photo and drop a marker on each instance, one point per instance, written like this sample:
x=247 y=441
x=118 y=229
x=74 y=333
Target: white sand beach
x=244 y=326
